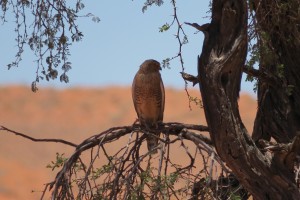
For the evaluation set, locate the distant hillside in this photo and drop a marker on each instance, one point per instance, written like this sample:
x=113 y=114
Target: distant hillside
x=72 y=114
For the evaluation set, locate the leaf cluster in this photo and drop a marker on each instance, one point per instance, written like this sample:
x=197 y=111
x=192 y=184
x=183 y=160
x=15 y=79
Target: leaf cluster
x=47 y=28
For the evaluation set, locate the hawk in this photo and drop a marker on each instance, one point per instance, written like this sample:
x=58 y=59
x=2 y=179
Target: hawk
x=148 y=96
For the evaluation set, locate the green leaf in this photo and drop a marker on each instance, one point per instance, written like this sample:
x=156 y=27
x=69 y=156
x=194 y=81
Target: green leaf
x=60 y=161
x=164 y=27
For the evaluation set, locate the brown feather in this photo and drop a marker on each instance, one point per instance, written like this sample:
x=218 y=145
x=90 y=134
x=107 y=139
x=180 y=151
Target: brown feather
x=149 y=98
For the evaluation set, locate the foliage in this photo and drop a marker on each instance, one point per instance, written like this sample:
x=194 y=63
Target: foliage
x=166 y=63
x=48 y=28
x=196 y=100
x=150 y=3
x=58 y=163
x=164 y=27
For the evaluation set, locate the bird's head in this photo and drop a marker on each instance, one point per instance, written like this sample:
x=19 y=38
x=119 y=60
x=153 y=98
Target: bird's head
x=149 y=66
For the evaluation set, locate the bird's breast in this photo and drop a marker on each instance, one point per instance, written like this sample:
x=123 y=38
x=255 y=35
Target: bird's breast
x=148 y=98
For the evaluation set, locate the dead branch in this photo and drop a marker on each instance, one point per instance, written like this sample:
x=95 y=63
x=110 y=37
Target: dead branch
x=190 y=78
x=126 y=166
x=202 y=28
x=61 y=182
x=2 y=128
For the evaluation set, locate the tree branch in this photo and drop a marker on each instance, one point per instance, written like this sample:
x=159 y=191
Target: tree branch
x=262 y=76
x=112 y=134
x=2 y=128
x=285 y=154
x=190 y=78
x=127 y=166
x=202 y=28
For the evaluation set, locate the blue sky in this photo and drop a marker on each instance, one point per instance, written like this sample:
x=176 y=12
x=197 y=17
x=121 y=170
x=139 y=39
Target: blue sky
x=112 y=50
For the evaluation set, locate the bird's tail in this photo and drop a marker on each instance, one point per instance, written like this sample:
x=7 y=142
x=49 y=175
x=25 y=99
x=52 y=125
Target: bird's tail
x=152 y=142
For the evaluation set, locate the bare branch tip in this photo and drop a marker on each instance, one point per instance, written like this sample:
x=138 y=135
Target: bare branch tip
x=190 y=78
x=202 y=28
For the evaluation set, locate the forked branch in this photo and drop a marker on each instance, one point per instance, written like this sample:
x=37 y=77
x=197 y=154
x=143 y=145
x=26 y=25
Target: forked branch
x=185 y=131
x=121 y=174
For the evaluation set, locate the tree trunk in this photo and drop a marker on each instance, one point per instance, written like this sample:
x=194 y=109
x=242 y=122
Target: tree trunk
x=219 y=67
x=278 y=28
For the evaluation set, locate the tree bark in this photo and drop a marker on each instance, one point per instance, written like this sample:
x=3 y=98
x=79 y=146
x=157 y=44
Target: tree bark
x=278 y=28
x=220 y=69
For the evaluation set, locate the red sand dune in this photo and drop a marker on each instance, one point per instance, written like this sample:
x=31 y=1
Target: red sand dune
x=72 y=114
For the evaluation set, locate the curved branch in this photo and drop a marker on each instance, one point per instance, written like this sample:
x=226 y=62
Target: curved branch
x=126 y=164
x=112 y=134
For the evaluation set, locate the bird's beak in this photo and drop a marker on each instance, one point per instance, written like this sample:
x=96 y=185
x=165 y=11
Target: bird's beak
x=160 y=68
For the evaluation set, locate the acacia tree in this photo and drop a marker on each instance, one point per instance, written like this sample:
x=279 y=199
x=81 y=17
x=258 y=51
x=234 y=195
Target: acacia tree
x=266 y=169
x=276 y=27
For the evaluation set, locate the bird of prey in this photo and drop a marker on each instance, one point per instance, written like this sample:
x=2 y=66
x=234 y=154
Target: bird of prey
x=148 y=96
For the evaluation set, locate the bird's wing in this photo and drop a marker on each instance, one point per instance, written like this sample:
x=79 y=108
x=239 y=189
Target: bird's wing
x=162 y=107
x=134 y=92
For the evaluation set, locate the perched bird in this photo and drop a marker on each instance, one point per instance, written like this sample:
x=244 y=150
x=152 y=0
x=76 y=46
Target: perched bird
x=148 y=96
